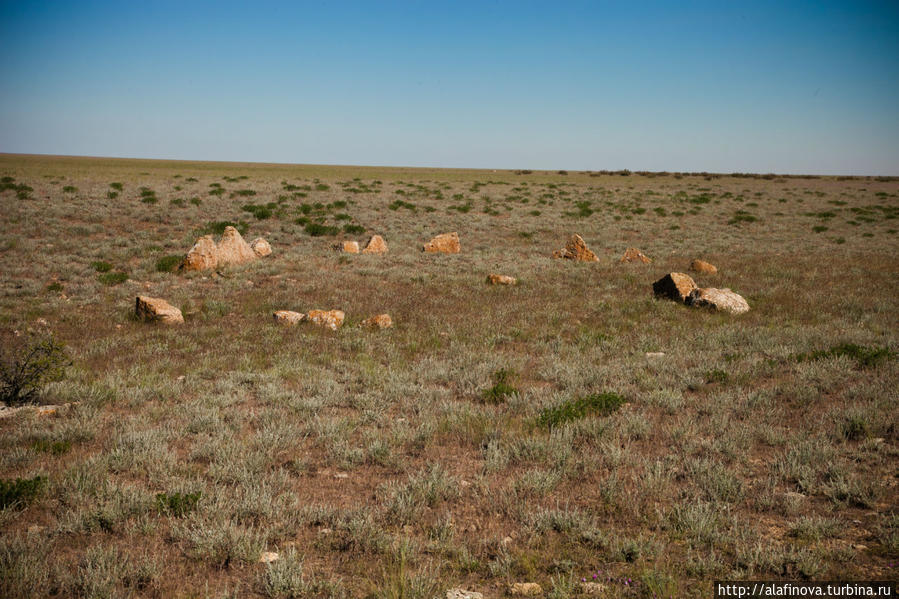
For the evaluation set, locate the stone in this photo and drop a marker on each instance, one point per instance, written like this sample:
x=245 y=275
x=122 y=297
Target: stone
x=635 y=255
x=720 y=300
x=46 y=410
x=379 y=321
x=525 y=589
x=703 y=267
x=463 y=594
x=268 y=557
x=288 y=317
x=592 y=589
x=260 y=247
x=349 y=247
x=655 y=354
x=445 y=243
x=233 y=250
x=576 y=249
x=501 y=280
x=375 y=245
x=157 y=310
x=675 y=285
x=333 y=319
x=203 y=256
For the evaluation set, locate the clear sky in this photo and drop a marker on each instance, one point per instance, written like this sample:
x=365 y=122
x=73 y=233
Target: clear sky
x=792 y=87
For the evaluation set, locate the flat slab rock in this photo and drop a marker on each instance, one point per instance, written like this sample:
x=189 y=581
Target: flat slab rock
x=720 y=300
x=525 y=589
x=379 y=321
x=703 y=267
x=288 y=317
x=494 y=279
x=463 y=594
x=333 y=319
x=154 y=309
x=675 y=285
x=576 y=249
x=445 y=243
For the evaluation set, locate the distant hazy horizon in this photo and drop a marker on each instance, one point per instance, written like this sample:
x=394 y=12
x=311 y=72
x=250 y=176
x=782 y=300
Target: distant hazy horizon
x=791 y=88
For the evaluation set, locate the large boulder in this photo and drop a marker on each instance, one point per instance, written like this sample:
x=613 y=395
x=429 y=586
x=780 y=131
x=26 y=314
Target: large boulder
x=635 y=255
x=379 y=321
x=260 y=247
x=703 y=267
x=288 y=317
x=675 y=285
x=576 y=249
x=233 y=250
x=721 y=300
x=494 y=279
x=203 y=256
x=375 y=245
x=157 y=310
x=446 y=243
x=333 y=319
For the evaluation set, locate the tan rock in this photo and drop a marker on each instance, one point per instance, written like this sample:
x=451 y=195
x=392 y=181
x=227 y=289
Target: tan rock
x=703 y=267
x=463 y=594
x=380 y=321
x=375 y=245
x=675 y=285
x=260 y=247
x=576 y=249
x=349 y=247
x=157 y=310
x=46 y=411
x=720 y=300
x=232 y=249
x=203 y=256
x=525 y=589
x=268 y=557
x=446 y=243
x=288 y=317
x=635 y=255
x=593 y=589
x=333 y=319
x=493 y=279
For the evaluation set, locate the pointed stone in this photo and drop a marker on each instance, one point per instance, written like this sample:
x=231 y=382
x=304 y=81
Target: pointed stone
x=203 y=256
x=375 y=245
x=576 y=249
x=635 y=255
x=232 y=249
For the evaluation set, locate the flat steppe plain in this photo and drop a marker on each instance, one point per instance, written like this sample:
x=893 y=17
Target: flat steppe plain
x=404 y=462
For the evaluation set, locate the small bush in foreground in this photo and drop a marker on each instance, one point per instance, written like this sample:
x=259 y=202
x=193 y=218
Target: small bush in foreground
x=20 y=492
x=24 y=372
x=113 y=278
x=601 y=404
x=101 y=266
x=177 y=504
x=867 y=357
x=501 y=387
x=168 y=263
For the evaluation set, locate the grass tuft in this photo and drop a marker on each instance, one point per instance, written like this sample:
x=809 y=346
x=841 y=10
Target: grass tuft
x=601 y=404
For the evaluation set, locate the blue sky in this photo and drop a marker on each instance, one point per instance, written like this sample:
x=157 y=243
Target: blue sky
x=795 y=87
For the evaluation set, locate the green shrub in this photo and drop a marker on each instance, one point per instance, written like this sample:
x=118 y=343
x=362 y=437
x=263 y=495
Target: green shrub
x=111 y=195
x=867 y=357
x=113 y=278
x=244 y=193
x=320 y=230
x=396 y=205
x=601 y=404
x=322 y=187
x=501 y=386
x=117 y=186
x=54 y=447
x=70 y=189
x=353 y=229
x=20 y=492
x=260 y=212
x=168 y=263
x=177 y=504
x=101 y=266
x=26 y=367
